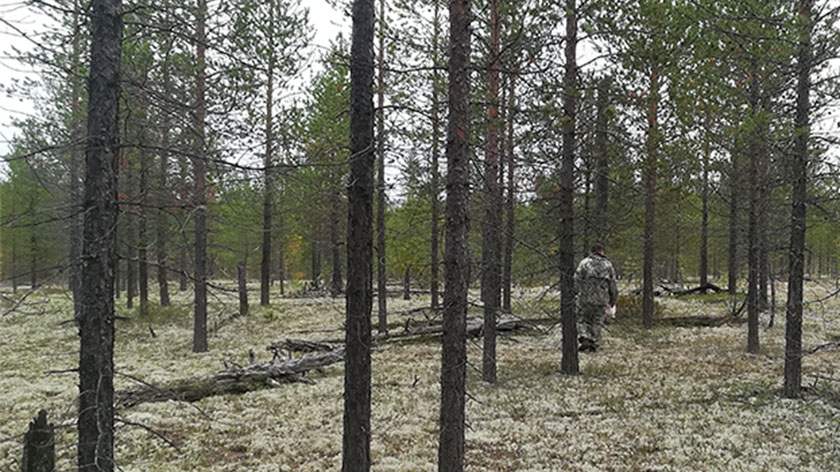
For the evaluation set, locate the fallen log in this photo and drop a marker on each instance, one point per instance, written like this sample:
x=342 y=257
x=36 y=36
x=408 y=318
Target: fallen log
x=232 y=380
x=699 y=321
x=475 y=328
x=704 y=289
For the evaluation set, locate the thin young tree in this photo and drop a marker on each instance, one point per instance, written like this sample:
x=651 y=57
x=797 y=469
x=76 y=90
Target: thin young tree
x=96 y=320
x=200 y=185
x=799 y=175
x=381 y=266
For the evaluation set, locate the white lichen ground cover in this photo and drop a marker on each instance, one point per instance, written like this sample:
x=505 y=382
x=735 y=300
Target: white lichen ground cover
x=669 y=399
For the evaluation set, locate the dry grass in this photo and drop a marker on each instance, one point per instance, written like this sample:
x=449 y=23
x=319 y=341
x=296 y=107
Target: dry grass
x=670 y=399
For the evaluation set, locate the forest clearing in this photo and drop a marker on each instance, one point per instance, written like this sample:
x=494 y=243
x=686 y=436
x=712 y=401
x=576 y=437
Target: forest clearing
x=668 y=398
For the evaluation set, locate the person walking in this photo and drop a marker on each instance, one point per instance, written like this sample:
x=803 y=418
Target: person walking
x=597 y=293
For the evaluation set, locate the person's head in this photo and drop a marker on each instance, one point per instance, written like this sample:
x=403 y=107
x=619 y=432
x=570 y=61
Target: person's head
x=598 y=248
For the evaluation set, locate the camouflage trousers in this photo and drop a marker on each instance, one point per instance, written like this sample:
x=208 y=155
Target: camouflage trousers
x=590 y=323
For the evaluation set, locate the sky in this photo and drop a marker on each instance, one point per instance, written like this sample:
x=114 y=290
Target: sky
x=16 y=18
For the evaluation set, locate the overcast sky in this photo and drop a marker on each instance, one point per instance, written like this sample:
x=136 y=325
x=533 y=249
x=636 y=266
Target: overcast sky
x=16 y=18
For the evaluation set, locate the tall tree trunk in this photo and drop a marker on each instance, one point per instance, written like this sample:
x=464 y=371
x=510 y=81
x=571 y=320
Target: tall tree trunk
x=602 y=160
x=164 y=193
x=704 y=211
x=732 y=283
x=33 y=259
x=381 y=266
x=142 y=232
x=456 y=257
x=200 y=190
x=435 y=184
x=569 y=363
x=337 y=283
x=357 y=371
x=76 y=158
x=752 y=236
x=650 y=201
x=281 y=250
x=491 y=229
x=799 y=175
x=265 y=265
x=316 y=262
x=510 y=202
x=130 y=237
x=763 y=238
x=96 y=323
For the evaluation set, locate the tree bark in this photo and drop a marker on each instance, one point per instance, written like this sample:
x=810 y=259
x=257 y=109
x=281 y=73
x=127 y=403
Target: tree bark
x=129 y=238
x=357 y=372
x=435 y=184
x=241 y=278
x=510 y=202
x=39 y=445
x=164 y=192
x=265 y=265
x=337 y=283
x=491 y=229
x=381 y=266
x=799 y=175
x=142 y=232
x=96 y=323
x=732 y=283
x=649 y=246
x=456 y=257
x=200 y=190
x=569 y=363
x=752 y=239
x=704 y=211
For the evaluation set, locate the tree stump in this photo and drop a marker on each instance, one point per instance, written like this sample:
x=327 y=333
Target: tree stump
x=39 y=445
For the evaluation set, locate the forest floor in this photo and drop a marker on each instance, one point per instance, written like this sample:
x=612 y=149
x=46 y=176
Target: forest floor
x=664 y=399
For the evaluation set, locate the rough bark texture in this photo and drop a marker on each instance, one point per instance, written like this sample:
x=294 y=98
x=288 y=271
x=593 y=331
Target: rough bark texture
x=648 y=245
x=96 y=323
x=492 y=224
x=456 y=257
x=337 y=282
x=799 y=168
x=569 y=363
x=200 y=190
x=752 y=252
x=435 y=177
x=357 y=372
x=381 y=260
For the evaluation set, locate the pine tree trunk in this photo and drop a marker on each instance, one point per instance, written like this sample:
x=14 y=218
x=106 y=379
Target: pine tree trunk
x=456 y=256
x=129 y=237
x=491 y=229
x=96 y=324
x=142 y=230
x=164 y=193
x=435 y=184
x=510 y=202
x=316 y=262
x=733 y=224
x=602 y=162
x=357 y=371
x=799 y=175
x=200 y=190
x=242 y=284
x=704 y=211
x=76 y=162
x=569 y=363
x=381 y=259
x=650 y=201
x=337 y=283
x=265 y=265
x=752 y=241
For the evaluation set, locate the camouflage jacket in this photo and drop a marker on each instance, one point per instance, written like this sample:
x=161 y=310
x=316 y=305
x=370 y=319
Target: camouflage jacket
x=595 y=281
